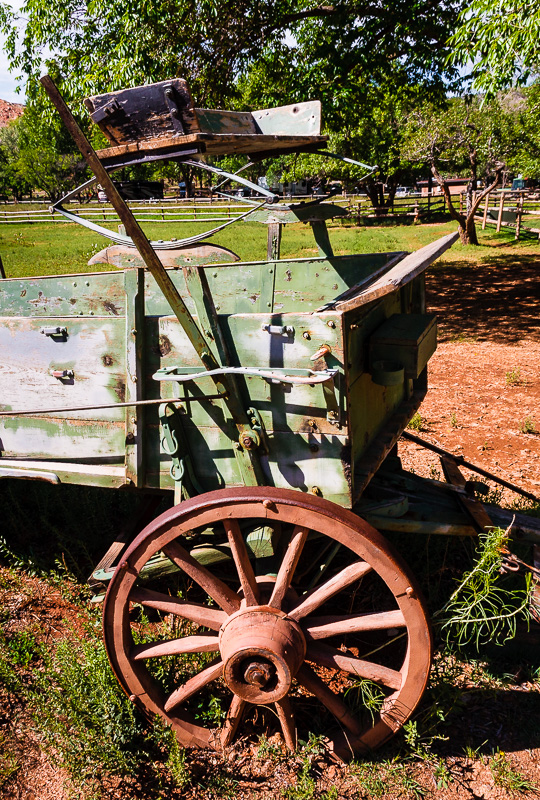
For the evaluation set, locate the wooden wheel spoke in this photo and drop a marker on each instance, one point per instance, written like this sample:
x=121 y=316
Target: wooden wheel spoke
x=311 y=681
x=288 y=565
x=193 y=685
x=322 y=627
x=333 y=658
x=232 y=720
x=214 y=587
x=173 y=647
x=195 y=612
x=242 y=562
x=318 y=596
x=286 y=718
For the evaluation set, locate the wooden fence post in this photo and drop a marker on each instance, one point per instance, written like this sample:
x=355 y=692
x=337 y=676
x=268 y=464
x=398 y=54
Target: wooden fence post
x=519 y=214
x=485 y=213
x=501 y=209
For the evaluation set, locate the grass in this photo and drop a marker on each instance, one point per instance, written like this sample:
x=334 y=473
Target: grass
x=509 y=779
x=33 y=249
x=416 y=423
x=513 y=377
x=527 y=426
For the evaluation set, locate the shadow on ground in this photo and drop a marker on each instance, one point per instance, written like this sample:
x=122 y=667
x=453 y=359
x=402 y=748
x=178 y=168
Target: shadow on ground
x=497 y=300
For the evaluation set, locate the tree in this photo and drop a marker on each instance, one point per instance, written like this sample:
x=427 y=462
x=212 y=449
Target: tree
x=38 y=156
x=296 y=49
x=468 y=136
x=12 y=184
x=501 y=38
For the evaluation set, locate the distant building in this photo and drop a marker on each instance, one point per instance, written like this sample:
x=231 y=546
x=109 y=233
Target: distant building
x=455 y=185
x=9 y=111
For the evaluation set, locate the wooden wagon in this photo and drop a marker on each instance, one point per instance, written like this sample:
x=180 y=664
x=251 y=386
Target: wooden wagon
x=267 y=399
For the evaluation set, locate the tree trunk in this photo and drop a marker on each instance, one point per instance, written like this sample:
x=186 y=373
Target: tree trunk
x=467 y=227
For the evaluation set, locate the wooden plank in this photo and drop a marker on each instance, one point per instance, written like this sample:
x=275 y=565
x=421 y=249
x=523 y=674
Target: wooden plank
x=145 y=111
x=125 y=257
x=404 y=272
x=212 y=143
x=472 y=506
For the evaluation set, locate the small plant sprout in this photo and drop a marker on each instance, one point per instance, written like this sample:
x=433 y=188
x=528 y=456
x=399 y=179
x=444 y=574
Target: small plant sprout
x=527 y=426
x=513 y=377
x=508 y=778
x=416 y=422
x=453 y=420
x=434 y=473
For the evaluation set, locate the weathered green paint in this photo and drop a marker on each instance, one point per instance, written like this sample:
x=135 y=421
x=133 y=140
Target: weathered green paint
x=408 y=339
x=98 y=294
x=315 y=435
x=286 y=215
x=135 y=365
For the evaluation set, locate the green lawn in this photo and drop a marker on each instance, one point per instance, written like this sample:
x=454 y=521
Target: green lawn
x=55 y=248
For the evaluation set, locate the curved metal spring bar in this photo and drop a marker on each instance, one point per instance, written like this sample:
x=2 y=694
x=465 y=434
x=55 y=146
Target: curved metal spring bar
x=120 y=238
x=320 y=376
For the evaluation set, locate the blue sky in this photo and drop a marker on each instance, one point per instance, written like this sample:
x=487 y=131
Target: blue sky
x=8 y=81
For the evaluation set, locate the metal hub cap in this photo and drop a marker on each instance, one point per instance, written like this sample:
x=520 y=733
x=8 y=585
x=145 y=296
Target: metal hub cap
x=262 y=650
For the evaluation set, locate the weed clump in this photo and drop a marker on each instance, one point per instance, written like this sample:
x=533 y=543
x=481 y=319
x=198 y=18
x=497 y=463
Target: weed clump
x=481 y=609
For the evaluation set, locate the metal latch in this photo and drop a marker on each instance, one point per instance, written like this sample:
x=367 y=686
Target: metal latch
x=279 y=330
x=62 y=373
x=54 y=331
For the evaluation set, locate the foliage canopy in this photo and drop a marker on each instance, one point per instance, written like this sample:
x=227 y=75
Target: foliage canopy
x=502 y=40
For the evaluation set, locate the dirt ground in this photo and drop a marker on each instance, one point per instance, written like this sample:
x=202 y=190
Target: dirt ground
x=484 y=379
x=483 y=403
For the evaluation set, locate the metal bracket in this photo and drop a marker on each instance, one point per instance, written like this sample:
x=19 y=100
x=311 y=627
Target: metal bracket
x=172 y=105
x=279 y=330
x=63 y=374
x=174 y=445
x=110 y=109
x=54 y=331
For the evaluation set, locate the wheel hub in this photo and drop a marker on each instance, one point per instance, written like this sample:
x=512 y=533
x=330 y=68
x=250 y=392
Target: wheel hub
x=262 y=650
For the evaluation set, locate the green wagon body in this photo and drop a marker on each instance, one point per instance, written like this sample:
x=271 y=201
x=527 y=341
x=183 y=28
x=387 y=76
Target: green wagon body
x=326 y=438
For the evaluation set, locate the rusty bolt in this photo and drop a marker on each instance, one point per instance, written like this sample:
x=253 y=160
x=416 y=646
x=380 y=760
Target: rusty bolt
x=134 y=331
x=258 y=673
x=247 y=441
x=306 y=335
x=322 y=351
x=316 y=491
x=331 y=323
x=268 y=504
x=133 y=697
x=130 y=437
x=123 y=565
x=409 y=591
x=312 y=423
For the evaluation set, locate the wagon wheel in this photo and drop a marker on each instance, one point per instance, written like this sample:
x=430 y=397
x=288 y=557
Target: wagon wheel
x=270 y=640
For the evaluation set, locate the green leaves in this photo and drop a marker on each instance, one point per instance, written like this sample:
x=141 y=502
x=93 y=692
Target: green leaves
x=500 y=41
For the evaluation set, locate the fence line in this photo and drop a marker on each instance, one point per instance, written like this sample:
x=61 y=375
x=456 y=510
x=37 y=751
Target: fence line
x=507 y=209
